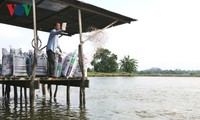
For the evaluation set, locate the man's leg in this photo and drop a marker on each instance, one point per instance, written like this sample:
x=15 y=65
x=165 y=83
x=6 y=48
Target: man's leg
x=51 y=60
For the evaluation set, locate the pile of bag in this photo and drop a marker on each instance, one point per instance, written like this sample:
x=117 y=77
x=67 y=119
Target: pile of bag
x=41 y=67
x=68 y=65
x=6 y=63
x=17 y=63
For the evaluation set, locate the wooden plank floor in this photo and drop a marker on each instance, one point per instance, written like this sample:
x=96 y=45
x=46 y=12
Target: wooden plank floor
x=25 y=81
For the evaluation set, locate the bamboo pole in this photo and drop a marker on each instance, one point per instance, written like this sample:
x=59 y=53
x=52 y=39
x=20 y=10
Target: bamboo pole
x=25 y=95
x=55 y=92
x=81 y=61
x=82 y=84
x=68 y=94
x=3 y=91
x=50 y=90
x=7 y=91
x=15 y=94
x=35 y=42
x=43 y=90
x=32 y=89
x=20 y=95
x=32 y=93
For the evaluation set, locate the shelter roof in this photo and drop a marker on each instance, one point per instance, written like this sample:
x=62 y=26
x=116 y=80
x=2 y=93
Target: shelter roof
x=49 y=12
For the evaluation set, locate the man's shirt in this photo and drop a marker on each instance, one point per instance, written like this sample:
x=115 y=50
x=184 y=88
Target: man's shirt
x=53 y=40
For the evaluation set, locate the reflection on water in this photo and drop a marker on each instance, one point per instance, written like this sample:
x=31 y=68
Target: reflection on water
x=43 y=110
x=115 y=98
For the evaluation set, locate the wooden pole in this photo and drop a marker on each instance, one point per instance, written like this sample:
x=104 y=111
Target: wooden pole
x=55 y=93
x=83 y=87
x=15 y=94
x=3 y=91
x=81 y=61
x=35 y=42
x=68 y=93
x=82 y=84
x=20 y=95
x=80 y=26
x=7 y=91
x=32 y=89
x=43 y=90
x=50 y=90
x=25 y=95
x=32 y=93
x=32 y=113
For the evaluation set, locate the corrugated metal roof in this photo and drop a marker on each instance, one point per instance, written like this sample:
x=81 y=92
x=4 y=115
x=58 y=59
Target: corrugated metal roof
x=52 y=11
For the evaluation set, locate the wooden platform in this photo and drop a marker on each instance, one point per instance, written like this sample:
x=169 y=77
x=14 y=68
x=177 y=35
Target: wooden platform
x=25 y=81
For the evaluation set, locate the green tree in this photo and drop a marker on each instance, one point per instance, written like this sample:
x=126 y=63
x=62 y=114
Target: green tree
x=104 y=61
x=128 y=65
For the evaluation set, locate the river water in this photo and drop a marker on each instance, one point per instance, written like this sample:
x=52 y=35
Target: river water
x=115 y=98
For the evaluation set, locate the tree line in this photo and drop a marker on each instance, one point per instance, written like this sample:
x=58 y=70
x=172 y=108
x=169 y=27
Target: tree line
x=176 y=71
x=105 y=61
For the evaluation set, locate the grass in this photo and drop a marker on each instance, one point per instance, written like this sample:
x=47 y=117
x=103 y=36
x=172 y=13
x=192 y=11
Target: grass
x=100 y=74
x=116 y=74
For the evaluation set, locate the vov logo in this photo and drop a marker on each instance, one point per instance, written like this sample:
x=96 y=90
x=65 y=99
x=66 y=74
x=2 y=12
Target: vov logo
x=19 y=9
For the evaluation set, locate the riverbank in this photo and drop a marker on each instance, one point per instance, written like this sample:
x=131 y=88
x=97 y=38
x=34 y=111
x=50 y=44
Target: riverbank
x=98 y=74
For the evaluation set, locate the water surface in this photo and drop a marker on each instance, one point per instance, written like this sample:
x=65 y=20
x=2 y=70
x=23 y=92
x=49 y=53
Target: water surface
x=116 y=98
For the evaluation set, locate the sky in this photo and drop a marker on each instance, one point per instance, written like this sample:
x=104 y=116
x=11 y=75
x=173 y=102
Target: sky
x=165 y=36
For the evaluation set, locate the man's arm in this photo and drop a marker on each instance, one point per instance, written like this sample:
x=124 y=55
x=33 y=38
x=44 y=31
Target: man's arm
x=56 y=32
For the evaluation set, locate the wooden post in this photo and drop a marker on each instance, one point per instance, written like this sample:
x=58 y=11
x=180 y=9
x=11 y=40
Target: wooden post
x=43 y=90
x=25 y=95
x=15 y=94
x=81 y=62
x=3 y=91
x=83 y=87
x=7 y=91
x=68 y=93
x=55 y=93
x=32 y=94
x=20 y=95
x=82 y=84
x=32 y=89
x=50 y=90
x=32 y=113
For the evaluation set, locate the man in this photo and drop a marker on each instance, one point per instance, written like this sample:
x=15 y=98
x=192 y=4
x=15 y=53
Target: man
x=52 y=45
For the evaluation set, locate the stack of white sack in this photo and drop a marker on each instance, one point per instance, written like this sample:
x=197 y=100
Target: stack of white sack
x=41 y=67
x=69 y=63
x=6 y=63
x=19 y=62
x=71 y=67
x=78 y=71
x=13 y=62
x=73 y=64
x=59 y=58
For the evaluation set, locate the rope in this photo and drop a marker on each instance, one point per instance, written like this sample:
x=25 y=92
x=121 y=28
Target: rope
x=40 y=45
